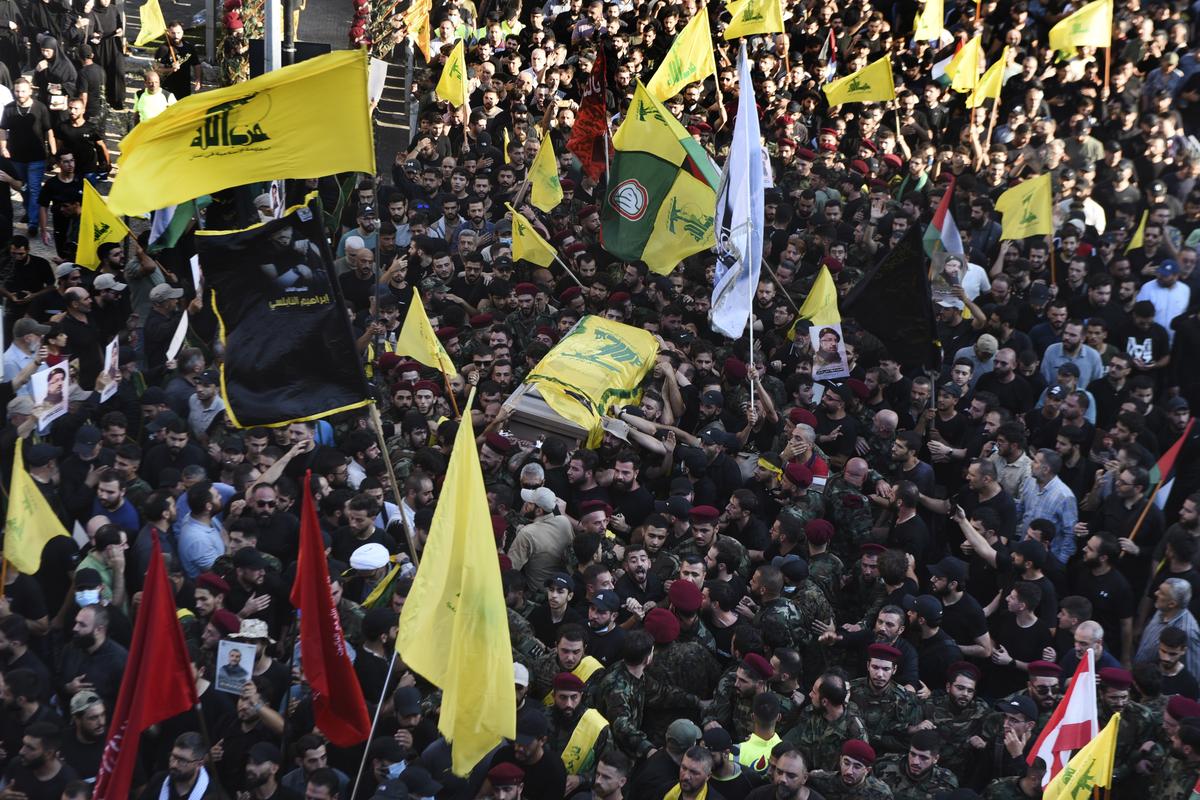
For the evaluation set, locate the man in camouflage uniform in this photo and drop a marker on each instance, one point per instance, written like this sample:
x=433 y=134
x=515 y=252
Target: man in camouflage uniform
x=1137 y=725
x=704 y=536
x=684 y=665
x=733 y=702
x=813 y=607
x=779 y=619
x=685 y=600
x=848 y=505
x=1182 y=769
x=824 y=567
x=623 y=693
x=1043 y=689
x=862 y=590
x=917 y=775
x=523 y=323
x=663 y=565
x=957 y=716
x=886 y=709
x=852 y=780
x=827 y=723
x=800 y=500
x=1025 y=787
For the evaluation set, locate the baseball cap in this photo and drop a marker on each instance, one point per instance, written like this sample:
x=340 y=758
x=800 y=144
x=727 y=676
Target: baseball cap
x=541 y=497
x=682 y=734
x=107 y=281
x=165 y=291
x=209 y=377
x=531 y=725
x=82 y=700
x=926 y=606
x=560 y=580
x=86 y=438
x=1167 y=267
x=64 y=269
x=1019 y=704
x=25 y=326
x=607 y=600
x=951 y=568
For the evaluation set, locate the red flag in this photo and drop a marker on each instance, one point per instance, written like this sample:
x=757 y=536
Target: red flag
x=338 y=705
x=589 y=137
x=157 y=685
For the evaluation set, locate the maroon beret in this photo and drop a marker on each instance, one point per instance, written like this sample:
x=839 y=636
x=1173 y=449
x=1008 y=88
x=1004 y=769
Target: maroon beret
x=859 y=388
x=859 y=751
x=964 y=668
x=894 y=160
x=798 y=474
x=884 y=651
x=1180 y=707
x=871 y=548
x=662 y=625
x=758 y=667
x=498 y=443
x=818 y=531
x=225 y=621
x=446 y=332
x=735 y=369
x=569 y=294
x=213 y=582
x=481 y=320
x=803 y=415
x=703 y=514
x=567 y=682
x=867 y=144
x=428 y=385
x=506 y=773
x=588 y=506
x=860 y=166
x=1045 y=669
x=685 y=596
x=1116 y=678
x=806 y=154
x=525 y=288
x=586 y=212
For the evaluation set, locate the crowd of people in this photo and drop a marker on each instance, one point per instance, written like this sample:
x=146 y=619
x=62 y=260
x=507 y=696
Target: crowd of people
x=757 y=585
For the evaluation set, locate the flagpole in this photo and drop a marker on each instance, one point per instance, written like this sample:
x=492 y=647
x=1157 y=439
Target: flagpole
x=377 y=423
x=1142 y=517
x=991 y=124
x=375 y=719
x=568 y=269
x=1107 y=67
x=779 y=283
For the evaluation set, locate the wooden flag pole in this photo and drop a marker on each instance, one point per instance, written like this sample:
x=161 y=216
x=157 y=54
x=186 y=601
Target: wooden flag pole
x=1142 y=517
x=409 y=534
x=568 y=269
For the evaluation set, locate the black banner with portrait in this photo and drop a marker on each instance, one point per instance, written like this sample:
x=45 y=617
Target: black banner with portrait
x=289 y=349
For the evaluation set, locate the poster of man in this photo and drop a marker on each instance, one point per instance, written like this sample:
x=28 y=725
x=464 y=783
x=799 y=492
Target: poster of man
x=829 y=352
x=50 y=390
x=111 y=369
x=234 y=661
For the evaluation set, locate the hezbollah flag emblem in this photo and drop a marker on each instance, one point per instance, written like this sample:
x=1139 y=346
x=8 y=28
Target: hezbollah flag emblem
x=661 y=207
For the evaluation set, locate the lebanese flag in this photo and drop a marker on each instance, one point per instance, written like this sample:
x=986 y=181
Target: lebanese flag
x=1163 y=473
x=337 y=699
x=589 y=136
x=828 y=56
x=1073 y=723
x=157 y=684
x=942 y=232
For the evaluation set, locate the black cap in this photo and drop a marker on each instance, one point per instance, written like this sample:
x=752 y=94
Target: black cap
x=926 y=606
x=951 y=568
x=407 y=701
x=209 y=377
x=87 y=578
x=531 y=724
x=1019 y=704
x=262 y=752
x=249 y=558
x=42 y=454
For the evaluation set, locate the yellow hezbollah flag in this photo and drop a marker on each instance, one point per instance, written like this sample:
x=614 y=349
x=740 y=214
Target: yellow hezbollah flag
x=418 y=341
x=930 y=21
x=97 y=225
x=1089 y=768
x=820 y=307
x=416 y=20
x=753 y=17
x=457 y=601
x=261 y=130
x=452 y=86
x=690 y=59
x=870 y=84
x=990 y=84
x=1139 y=236
x=507 y=157
x=963 y=69
x=1026 y=209
x=30 y=522
x=526 y=243
x=598 y=365
x=153 y=24
x=1090 y=26
x=545 y=190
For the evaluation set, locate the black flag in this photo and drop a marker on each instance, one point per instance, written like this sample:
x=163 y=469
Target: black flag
x=289 y=350
x=893 y=302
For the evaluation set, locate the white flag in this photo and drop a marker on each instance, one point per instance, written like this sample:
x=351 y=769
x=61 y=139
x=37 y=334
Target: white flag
x=739 y=216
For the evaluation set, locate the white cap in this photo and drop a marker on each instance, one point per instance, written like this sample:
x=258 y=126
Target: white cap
x=520 y=674
x=541 y=497
x=369 y=556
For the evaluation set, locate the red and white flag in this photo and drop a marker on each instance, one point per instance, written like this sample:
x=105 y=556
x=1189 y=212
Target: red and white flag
x=1073 y=724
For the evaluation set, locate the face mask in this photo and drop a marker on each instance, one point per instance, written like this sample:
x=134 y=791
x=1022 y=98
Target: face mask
x=87 y=597
x=395 y=770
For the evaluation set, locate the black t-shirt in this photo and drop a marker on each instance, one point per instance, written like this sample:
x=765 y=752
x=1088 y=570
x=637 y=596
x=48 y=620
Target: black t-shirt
x=1023 y=644
x=1112 y=600
x=81 y=143
x=31 y=276
x=964 y=621
x=26 y=128
x=183 y=55
x=1146 y=346
x=1183 y=683
x=635 y=505
x=545 y=780
x=22 y=779
x=912 y=537
x=91 y=80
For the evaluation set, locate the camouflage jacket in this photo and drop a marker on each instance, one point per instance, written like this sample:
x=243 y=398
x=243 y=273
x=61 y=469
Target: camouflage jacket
x=857 y=599
x=524 y=643
x=622 y=697
x=830 y=785
x=826 y=570
x=689 y=547
x=1174 y=781
x=699 y=634
x=821 y=740
x=664 y=566
x=730 y=709
x=806 y=508
x=887 y=714
x=686 y=665
x=893 y=770
x=1137 y=726
x=782 y=624
x=1007 y=789
x=993 y=724
x=955 y=725
x=852 y=516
